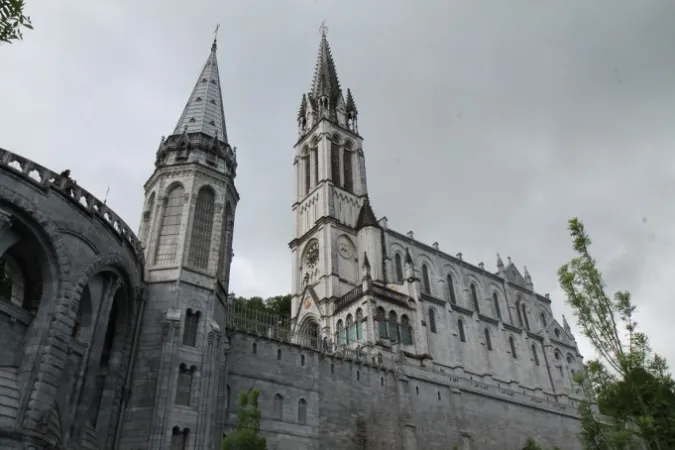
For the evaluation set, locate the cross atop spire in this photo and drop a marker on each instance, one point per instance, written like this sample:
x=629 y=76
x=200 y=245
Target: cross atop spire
x=204 y=112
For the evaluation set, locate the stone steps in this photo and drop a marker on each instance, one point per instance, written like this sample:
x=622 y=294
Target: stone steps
x=9 y=395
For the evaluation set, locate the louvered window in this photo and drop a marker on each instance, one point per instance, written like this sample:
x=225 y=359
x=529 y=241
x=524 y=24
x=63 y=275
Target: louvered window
x=348 y=181
x=335 y=163
x=202 y=226
x=315 y=152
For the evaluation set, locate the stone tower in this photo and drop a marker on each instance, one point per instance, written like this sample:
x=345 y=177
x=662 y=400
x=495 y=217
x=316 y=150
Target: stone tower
x=177 y=393
x=337 y=241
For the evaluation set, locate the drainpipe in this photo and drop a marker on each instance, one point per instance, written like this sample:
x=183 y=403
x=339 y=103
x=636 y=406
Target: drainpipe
x=134 y=353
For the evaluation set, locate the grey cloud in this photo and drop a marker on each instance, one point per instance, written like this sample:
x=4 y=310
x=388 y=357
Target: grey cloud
x=486 y=127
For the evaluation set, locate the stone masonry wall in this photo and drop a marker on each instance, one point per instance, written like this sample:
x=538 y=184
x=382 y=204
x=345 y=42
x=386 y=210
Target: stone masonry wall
x=404 y=409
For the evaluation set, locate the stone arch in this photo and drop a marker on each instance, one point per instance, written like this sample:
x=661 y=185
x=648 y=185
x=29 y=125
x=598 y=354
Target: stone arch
x=336 y=138
x=310 y=331
x=173 y=185
x=47 y=235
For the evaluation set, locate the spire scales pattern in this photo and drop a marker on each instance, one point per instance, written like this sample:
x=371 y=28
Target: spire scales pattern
x=204 y=112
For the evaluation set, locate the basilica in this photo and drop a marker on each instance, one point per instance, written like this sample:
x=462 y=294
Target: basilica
x=112 y=339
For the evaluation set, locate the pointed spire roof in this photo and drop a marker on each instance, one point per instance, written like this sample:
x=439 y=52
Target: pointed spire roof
x=204 y=112
x=366 y=216
x=351 y=105
x=325 y=75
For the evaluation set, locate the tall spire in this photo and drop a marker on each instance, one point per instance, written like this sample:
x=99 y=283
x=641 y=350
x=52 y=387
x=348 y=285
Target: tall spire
x=204 y=112
x=325 y=76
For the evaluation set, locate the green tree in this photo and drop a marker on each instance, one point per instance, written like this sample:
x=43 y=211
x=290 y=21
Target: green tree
x=531 y=444
x=245 y=435
x=279 y=305
x=12 y=20
x=632 y=386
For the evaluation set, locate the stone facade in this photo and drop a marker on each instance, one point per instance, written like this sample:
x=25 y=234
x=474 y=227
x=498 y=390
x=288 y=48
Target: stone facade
x=392 y=344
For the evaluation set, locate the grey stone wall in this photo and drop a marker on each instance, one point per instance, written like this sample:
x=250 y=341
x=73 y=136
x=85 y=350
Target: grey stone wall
x=406 y=408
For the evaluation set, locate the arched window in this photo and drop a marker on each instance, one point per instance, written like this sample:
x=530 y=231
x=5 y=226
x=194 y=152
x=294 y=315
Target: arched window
x=335 y=163
x=308 y=173
x=169 y=232
x=512 y=342
x=406 y=330
x=184 y=385
x=557 y=355
x=315 y=156
x=351 y=331
x=179 y=438
x=488 y=340
x=382 y=323
x=570 y=360
x=190 y=330
x=451 y=289
x=460 y=327
x=342 y=335
x=426 y=285
x=526 y=322
x=432 y=320
x=302 y=411
x=348 y=168
x=495 y=300
x=474 y=298
x=202 y=226
x=399 y=268
x=542 y=318
x=535 y=355
x=359 y=324
x=312 y=331
x=394 y=329
x=278 y=407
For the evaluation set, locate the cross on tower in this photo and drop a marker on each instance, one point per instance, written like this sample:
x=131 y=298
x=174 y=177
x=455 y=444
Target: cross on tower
x=323 y=29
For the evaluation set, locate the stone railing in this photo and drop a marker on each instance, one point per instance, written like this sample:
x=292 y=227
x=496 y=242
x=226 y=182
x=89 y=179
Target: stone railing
x=47 y=179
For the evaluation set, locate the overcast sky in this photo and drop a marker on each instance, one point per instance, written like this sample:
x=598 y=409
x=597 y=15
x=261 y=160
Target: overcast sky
x=487 y=125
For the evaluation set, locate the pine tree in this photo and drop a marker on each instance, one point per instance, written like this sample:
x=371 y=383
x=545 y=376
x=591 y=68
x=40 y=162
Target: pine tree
x=245 y=436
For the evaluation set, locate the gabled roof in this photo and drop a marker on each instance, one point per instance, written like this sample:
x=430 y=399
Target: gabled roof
x=204 y=112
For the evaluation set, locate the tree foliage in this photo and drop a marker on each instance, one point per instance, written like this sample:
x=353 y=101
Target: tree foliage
x=279 y=305
x=632 y=386
x=12 y=20
x=531 y=444
x=245 y=435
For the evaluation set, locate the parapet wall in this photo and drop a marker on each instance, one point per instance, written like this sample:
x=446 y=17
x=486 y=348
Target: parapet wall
x=403 y=407
x=46 y=179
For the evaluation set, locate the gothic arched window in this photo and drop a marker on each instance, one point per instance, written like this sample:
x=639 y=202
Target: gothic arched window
x=535 y=356
x=488 y=340
x=348 y=162
x=335 y=162
x=341 y=334
x=406 y=330
x=432 y=320
x=498 y=311
x=542 y=318
x=399 y=267
x=351 y=331
x=169 y=232
x=474 y=298
x=526 y=322
x=394 y=329
x=359 y=324
x=451 y=289
x=512 y=342
x=202 y=227
x=302 y=411
x=426 y=285
x=190 y=330
x=381 y=319
x=460 y=327
x=315 y=156
x=308 y=173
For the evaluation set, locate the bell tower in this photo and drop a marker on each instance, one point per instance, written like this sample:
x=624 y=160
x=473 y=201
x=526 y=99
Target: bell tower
x=330 y=204
x=186 y=229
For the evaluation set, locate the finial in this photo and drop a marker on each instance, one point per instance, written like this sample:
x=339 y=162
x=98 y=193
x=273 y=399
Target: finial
x=500 y=263
x=215 y=38
x=323 y=29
